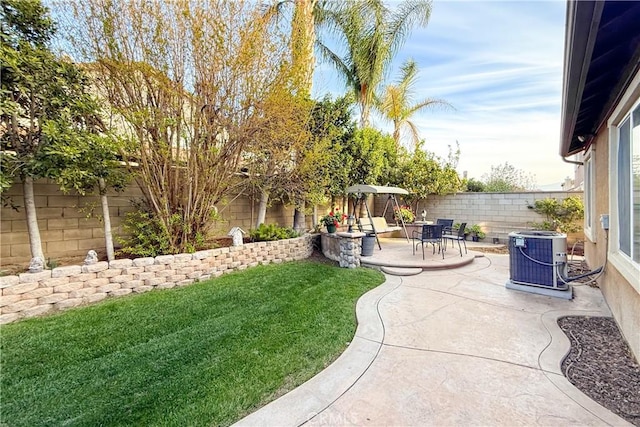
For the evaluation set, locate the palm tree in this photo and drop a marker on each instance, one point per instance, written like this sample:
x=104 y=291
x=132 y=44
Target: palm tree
x=373 y=34
x=303 y=36
x=396 y=105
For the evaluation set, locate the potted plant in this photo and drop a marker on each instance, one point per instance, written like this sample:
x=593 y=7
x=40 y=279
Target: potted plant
x=476 y=232
x=332 y=220
x=405 y=213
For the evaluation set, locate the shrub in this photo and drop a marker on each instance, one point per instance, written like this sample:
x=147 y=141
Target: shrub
x=565 y=216
x=146 y=237
x=404 y=212
x=271 y=232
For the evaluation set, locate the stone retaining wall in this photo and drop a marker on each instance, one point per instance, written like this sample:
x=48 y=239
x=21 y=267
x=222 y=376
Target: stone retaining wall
x=33 y=294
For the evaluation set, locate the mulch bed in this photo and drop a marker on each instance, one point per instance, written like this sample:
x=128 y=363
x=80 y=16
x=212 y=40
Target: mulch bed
x=601 y=365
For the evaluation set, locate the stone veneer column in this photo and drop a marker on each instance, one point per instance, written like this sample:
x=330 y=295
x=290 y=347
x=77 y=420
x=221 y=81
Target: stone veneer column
x=350 y=249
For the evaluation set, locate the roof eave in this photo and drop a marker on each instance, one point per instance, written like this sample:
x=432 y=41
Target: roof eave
x=583 y=20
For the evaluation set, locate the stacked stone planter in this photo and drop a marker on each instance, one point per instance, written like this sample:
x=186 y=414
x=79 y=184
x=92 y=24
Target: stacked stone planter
x=343 y=247
x=33 y=294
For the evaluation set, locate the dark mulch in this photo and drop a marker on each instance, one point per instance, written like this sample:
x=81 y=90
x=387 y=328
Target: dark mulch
x=601 y=365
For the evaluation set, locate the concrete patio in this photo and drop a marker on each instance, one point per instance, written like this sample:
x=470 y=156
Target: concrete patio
x=397 y=256
x=449 y=347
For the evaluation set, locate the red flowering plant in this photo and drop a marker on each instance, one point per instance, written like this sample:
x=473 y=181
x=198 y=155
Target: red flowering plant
x=335 y=217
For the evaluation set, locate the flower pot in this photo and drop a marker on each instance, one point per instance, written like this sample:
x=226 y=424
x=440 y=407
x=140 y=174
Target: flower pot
x=331 y=228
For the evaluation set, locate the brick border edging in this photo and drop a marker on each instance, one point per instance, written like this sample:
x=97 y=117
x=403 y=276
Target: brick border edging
x=33 y=294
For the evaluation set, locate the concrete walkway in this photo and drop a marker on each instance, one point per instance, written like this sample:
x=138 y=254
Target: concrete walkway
x=449 y=347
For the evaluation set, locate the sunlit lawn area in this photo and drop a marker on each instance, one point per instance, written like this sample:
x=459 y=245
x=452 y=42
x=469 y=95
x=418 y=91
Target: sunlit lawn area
x=206 y=354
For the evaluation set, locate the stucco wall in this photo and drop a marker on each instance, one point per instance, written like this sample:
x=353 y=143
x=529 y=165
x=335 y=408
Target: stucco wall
x=621 y=297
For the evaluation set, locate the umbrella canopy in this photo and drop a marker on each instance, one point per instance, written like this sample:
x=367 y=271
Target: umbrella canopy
x=375 y=189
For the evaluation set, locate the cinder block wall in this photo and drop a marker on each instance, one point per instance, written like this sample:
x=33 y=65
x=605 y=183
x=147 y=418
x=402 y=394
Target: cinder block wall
x=68 y=229
x=497 y=213
x=66 y=225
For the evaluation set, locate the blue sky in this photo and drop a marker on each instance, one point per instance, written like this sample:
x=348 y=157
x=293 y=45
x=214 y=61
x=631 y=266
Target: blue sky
x=499 y=63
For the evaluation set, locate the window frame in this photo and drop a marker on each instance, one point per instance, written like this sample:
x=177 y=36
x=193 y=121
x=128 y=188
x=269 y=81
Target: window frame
x=589 y=190
x=628 y=268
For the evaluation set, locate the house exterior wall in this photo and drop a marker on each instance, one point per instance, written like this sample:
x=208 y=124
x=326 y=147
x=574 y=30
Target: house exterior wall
x=623 y=299
x=622 y=296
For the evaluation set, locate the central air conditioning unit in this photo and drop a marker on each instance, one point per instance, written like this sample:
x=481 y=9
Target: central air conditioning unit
x=538 y=263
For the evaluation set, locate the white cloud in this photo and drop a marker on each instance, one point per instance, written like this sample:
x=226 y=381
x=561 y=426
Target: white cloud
x=500 y=64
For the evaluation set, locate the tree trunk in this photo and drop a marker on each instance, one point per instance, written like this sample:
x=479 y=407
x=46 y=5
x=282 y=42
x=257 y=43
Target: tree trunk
x=303 y=38
x=364 y=107
x=299 y=217
x=32 y=219
x=262 y=208
x=108 y=237
x=316 y=219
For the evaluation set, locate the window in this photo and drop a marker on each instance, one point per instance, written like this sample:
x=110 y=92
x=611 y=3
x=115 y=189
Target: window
x=628 y=184
x=589 y=195
x=624 y=185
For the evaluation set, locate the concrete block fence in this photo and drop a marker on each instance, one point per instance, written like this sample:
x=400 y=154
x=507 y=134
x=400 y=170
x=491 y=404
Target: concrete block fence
x=498 y=214
x=68 y=229
x=34 y=294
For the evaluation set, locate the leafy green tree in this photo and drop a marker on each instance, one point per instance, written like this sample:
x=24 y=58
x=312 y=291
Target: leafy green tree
x=50 y=124
x=302 y=40
x=87 y=162
x=474 y=186
x=332 y=122
x=371 y=152
x=302 y=37
x=422 y=173
x=326 y=171
x=372 y=34
x=397 y=106
x=505 y=178
x=364 y=159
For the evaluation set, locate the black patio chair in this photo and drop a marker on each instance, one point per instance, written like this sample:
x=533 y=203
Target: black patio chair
x=447 y=225
x=429 y=234
x=459 y=236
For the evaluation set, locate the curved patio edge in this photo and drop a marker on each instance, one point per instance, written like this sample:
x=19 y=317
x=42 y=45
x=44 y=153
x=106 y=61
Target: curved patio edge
x=434 y=263
x=550 y=362
x=315 y=395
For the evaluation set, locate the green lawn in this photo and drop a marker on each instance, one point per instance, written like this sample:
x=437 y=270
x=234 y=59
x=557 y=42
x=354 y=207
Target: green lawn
x=206 y=354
